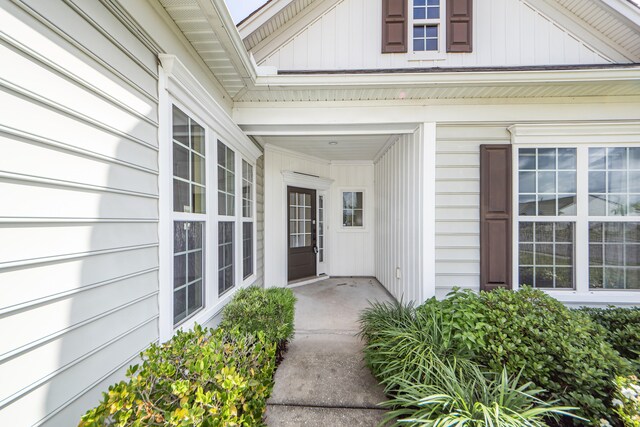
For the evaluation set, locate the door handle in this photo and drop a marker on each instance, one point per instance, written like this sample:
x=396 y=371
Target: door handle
x=315 y=249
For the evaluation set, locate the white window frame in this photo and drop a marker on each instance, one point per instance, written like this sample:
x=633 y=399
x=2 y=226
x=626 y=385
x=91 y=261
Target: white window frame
x=425 y=55
x=177 y=86
x=581 y=137
x=252 y=220
x=353 y=228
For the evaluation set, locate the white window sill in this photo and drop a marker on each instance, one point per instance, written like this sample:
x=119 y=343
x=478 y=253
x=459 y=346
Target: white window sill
x=426 y=56
x=597 y=297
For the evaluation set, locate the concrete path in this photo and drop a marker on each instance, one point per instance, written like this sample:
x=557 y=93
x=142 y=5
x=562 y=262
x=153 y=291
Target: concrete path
x=323 y=380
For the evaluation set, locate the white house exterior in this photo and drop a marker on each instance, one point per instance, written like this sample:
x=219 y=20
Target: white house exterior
x=154 y=159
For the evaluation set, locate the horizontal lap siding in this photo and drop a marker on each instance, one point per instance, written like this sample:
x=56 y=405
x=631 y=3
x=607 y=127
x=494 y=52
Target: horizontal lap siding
x=78 y=220
x=399 y=200
x=458 y=203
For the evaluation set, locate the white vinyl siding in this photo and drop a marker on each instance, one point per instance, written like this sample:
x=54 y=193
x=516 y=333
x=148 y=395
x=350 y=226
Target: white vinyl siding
x=457 y=203
x=347 y=36
x=79 y=185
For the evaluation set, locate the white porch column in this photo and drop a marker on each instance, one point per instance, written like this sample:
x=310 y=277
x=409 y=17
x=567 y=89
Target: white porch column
x=429 y=210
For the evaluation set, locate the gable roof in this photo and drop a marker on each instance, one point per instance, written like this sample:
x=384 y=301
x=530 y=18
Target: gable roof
x=612 y=24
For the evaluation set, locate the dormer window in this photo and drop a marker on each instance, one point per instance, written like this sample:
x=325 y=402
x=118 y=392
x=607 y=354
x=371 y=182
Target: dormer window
x=427 y=25
x=427 y=29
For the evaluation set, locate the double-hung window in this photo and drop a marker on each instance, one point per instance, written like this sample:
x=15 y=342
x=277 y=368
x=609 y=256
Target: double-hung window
x=189 y=195
x=226 y=218
x=578 y=223
x=426 y=31
x=247 y=219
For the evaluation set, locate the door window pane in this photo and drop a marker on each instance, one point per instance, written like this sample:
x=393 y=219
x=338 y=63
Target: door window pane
x=300 y=217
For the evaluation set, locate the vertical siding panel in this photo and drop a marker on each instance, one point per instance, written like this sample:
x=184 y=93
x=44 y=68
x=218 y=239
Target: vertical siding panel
x=505 y=32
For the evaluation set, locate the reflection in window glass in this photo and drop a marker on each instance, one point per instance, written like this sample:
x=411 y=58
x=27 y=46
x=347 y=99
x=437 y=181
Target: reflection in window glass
x=614 y=255
x=352 y=209
x=546 y=252
x=226 y=180
x=247 y=190
x=247 y=249
x=188 y=164
x=547 y=181
x=225 y=257
x=188 y=268
x=614 y=181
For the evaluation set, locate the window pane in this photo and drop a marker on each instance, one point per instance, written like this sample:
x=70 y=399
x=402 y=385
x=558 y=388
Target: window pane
x=225 y=261
x=180 y=126
x=180 y=162
x=617 y=158
x=197 y=168
x=614 y=255
x=358 y=200
x=613 y=182
x=546 y=254
x=179 y=305
x=431 y=45
x=197 y=138
x=547 y=184
x=431 y=31
x=597 y=158
x=419 y=13
x=433 y=13
x=247 y=249
x=181 y=196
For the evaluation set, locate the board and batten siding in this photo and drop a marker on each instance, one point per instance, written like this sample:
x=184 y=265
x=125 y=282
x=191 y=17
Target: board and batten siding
x=79 y=210
x=347 y=36
x=404 y=217
x=458 y=203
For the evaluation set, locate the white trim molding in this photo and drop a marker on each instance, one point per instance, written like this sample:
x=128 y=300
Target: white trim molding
x=182 y=84
x=575 y=133
x=297 y=179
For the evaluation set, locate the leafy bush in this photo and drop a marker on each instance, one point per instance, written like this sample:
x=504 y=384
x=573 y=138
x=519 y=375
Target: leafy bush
x=557 y=349
x=622 y=328
x=626 y=402
x=203 y=377
x=268 y=310
x=432 y=381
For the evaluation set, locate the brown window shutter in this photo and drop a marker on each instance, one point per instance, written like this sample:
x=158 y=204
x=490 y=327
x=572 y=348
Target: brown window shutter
x=495 y=217
x=394 y=26
x=459 y=25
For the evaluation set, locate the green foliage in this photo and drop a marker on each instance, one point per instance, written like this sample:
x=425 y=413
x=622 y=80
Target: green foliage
x=467 y=397
x=622 y=328
x=268 y=310
x=425 y=368
x=626 y=402
x=557 y=349
x=203 y=377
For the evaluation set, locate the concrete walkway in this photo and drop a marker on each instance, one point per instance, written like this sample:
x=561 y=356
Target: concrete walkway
x=323 y=380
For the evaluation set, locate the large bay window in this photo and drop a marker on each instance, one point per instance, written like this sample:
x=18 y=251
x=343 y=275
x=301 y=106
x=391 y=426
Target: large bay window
x=578 y=223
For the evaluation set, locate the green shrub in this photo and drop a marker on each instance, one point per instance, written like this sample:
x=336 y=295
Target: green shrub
x=559 y=350
x=202 y=377
x=626 y=402
x=622 y=328
x=430 y=378
x=467 y=397
x=255 y=309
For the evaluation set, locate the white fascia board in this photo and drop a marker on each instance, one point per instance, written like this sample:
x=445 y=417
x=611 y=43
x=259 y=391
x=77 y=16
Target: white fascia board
x=219 y=17
x=333 y=129
x=575 y=133
x=454 y=79
x=625 y=11
x=579 y=29
x=262 y=16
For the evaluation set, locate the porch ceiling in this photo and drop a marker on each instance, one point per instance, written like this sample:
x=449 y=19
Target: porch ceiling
x=347 y=147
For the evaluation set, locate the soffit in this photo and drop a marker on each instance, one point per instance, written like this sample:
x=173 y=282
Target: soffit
x=205 y=28
x=615 y=19
x=619 y=81
x=348 y=147
x=285 y=10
